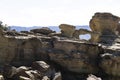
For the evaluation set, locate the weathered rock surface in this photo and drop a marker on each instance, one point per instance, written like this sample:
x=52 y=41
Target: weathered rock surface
x=43 y=30
x=42 y=72
x=40 y=65
x=105 y=23
x=80 y=32
x=23 y=56
x=110 y=62
x=67 y=30
x=76 y=57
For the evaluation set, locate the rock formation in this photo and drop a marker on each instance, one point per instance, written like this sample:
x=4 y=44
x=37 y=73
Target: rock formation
x=67 y=30
x=43 y=54
x=105 y=23
x=43 y=30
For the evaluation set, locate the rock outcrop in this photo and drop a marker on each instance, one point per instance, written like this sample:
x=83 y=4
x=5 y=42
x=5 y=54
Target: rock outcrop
x=80 y=32
x=43 y=54
x=105 y=23
x=43 y=30
x=76 y=57
x=67 y=30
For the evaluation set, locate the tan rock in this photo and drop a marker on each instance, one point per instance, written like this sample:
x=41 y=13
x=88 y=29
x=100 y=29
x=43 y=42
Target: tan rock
x=94 y=35
x=43 y=30
x=105 y=23
x=75 y=56
x=7 y=49
x=67 y=30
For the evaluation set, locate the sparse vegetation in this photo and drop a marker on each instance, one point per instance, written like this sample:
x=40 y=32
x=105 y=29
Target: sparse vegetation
x=4 y=27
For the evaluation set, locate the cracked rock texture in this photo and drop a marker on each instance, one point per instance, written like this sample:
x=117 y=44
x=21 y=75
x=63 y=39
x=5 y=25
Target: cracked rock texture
x=43 y=54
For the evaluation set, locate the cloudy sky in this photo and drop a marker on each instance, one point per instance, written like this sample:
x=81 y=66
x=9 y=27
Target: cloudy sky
x=54 y=12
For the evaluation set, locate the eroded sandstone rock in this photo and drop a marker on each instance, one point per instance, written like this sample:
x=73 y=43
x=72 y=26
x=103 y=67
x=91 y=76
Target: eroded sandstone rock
x=81 y=32
x=106 y=26
x=67 y=30
x=105 y=23
x=43 y=30
x=75 y=56
x=71 y=56
x=110 y=62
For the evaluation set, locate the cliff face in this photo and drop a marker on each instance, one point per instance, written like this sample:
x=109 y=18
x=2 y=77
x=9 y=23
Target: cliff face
x=64 y=51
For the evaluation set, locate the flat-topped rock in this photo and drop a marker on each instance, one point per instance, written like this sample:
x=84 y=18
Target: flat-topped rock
x=43 y=30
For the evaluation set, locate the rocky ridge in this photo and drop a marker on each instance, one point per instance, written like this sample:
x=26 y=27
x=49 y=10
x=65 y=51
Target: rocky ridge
x=42 y=54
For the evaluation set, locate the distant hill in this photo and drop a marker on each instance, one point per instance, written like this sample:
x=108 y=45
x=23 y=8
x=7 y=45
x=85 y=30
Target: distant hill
x=54 y=28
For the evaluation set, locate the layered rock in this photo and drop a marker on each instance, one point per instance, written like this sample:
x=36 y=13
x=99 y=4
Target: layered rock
x=43 y=30
x=75 y=56
x=105 y=23
x=110 y=62
x=64 y=52
x=67 y=30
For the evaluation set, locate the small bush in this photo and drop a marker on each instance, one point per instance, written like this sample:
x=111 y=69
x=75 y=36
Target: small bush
x=4 y=27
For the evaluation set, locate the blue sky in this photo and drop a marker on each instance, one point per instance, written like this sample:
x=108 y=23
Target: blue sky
x=54 y=12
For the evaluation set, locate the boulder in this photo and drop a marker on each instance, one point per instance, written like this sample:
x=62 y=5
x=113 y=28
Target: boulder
x=1 y=77
x=29 y=75
x=67 y=30
x=9 y=71
x=93 y=77
x=40 y=66
x=57 y=76
x=105 y=23
x=43 y=30
x=105 y=27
